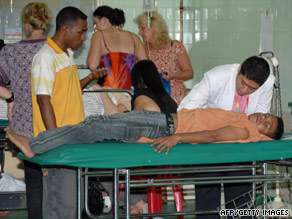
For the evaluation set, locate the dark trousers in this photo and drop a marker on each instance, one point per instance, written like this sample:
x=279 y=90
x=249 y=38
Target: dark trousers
x=208 y=196
x=34 y=189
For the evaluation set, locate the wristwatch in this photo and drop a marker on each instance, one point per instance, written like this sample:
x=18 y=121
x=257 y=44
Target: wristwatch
x=10 y=100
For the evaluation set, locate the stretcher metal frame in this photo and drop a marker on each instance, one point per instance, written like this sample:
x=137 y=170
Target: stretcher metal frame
x=129 y=183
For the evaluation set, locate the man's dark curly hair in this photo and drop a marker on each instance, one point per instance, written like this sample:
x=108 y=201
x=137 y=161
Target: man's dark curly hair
x=280 y=129
x=255 y=68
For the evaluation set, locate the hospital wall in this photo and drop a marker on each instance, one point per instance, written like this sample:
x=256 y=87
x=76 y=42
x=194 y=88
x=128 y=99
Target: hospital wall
x=214 y=32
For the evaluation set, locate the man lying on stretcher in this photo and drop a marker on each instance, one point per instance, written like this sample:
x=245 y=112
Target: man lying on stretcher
x=188 y=126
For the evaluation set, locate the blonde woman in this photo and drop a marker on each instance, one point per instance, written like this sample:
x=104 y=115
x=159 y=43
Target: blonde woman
x=15 y=68
x=169 y=56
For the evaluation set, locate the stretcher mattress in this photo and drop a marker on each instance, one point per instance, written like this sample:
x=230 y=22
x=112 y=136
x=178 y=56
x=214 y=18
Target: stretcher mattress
x=3 y=122
x=124 y=155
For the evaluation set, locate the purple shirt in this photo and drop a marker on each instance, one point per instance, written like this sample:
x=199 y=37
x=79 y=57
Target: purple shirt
x=15 y=67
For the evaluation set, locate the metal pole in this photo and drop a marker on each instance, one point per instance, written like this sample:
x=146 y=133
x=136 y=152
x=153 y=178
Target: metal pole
x=116 y=193
x=79 y=193
x=265 y=188
x=128 y=194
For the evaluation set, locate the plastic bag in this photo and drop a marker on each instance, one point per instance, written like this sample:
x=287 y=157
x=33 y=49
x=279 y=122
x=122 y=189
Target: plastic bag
x=9 y=184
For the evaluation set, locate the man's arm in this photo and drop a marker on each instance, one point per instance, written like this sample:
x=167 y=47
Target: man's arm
x=229 y=133
x=47 y=111
x=198 y=96
x=95 y=74
x=5 y=93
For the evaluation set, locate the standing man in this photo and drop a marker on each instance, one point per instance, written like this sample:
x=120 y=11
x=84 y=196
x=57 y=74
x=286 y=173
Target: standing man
x=57 y=101
x=246 y=88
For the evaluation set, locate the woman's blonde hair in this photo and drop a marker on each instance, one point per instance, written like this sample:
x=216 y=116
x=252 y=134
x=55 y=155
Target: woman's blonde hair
x=37 y=15
x=156 y=21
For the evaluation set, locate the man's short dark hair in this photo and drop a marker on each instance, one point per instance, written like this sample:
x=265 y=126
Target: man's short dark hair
x=280 y=129
x=69 y=15
x=256 y=68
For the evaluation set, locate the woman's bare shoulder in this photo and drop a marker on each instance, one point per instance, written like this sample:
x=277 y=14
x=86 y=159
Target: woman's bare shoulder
x=176 y=42
x=145 y=103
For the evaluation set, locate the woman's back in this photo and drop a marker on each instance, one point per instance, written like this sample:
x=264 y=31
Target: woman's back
x=118 y=40
x=116 y=50
x=113 y=48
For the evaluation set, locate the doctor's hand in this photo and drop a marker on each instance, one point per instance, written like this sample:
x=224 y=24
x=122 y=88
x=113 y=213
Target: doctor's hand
x=166 y=142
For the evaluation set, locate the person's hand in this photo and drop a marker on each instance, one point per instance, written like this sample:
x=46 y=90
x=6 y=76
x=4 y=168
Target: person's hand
x=167 y=75
x=165 y=142
x=97 y=73
x=9 y=111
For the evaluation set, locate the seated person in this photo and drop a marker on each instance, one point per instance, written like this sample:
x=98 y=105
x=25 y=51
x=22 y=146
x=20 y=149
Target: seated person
x=149 y=94
x=108 y=103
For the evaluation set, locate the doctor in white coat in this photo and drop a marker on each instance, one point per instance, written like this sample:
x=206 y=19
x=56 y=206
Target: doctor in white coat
x=223 y=84
x=246 y=88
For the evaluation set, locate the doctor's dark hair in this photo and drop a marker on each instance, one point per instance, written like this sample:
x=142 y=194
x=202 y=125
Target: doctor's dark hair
x=280 y=129
x=256 y=69
x=69 y=15
x=146 y=75
x=115 y=16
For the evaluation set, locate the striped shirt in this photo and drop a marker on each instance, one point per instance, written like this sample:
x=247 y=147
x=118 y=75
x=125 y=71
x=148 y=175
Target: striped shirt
x=55 y=74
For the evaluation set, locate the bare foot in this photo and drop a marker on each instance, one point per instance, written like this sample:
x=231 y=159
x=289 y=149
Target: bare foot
x=138 y=208
x=21 y=142
x=4 y=213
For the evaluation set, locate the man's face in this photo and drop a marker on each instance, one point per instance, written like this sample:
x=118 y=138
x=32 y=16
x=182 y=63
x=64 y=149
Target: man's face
x=245 y=86
x=76 y=34
x=267 y=124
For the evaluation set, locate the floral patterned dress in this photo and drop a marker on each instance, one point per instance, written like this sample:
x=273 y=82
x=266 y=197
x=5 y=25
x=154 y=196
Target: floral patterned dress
x=15 y=67
x=167 y=59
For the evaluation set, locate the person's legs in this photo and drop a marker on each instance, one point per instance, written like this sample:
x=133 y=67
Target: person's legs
x=34 y=189
x=127 y=126
x=60 y=193
x=239 y=192
x=207 y=197
x=136 y=194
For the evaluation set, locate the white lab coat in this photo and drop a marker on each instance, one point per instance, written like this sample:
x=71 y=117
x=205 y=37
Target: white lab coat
x=217 y=90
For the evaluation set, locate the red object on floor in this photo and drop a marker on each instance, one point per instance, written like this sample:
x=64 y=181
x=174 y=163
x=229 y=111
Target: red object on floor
x=4 y=213
x=155 y=202
x=154 y=195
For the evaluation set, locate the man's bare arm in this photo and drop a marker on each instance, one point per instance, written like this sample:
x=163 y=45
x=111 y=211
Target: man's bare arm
x=229 y=133
x=47 y=111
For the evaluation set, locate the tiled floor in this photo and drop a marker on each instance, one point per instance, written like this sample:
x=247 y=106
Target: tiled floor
x=22 y=214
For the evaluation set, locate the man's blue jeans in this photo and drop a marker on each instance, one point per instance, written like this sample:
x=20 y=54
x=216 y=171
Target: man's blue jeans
x=60 y=184
x=127 y=126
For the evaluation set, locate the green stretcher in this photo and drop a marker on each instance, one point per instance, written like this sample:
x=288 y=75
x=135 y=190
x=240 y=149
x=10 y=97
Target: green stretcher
x=125 y=155
x=118 y=155
x=3 y=122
